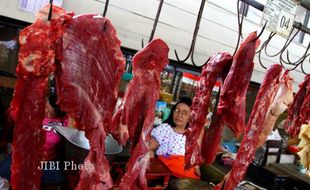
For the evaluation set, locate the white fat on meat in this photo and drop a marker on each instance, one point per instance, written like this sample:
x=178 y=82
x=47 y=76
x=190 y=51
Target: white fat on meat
x=282 y=100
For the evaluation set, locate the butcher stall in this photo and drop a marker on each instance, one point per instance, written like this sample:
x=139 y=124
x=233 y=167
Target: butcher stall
x=154 y=94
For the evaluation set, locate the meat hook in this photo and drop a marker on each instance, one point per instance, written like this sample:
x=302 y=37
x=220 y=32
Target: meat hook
x=240 y=24
x=105 y=8
x=50 y=10
x=296 y=63
x=282 y=61
x=266 y=43
x=192 y=48
x=261 y=32
x=263 y=46
x=155 y=22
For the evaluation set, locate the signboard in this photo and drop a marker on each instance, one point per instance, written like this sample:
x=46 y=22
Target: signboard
x=280 y=15
x=35 y=5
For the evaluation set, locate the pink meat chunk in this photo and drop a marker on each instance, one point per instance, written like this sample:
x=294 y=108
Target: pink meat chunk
x=87 y=78
x=231 y=107
x=135 y=116
x=210 y=72
x=35 y=61
x=245 y=155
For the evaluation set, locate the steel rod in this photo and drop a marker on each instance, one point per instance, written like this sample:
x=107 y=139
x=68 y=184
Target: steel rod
x=261 y=7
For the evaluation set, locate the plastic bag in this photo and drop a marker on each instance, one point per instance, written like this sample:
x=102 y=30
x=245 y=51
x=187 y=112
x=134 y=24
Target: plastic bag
x=4 y=184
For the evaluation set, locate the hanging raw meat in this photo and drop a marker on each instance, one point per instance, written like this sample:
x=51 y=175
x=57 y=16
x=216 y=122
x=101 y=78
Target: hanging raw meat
x=91 y=66
x=282 y=100
x=246 y=152
x=231 y=108
x=135 y=116
x=299 y=111
x=35 y=61
x=210 y=72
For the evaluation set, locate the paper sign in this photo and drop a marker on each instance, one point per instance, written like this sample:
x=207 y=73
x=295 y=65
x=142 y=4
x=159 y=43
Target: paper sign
x=280 y=15
x=35 y=5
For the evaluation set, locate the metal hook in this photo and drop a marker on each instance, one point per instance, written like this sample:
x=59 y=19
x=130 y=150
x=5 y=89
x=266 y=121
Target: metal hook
x=105 y=8
x=266 y=43
x=298 y=62
x=155 y=22
x=282 y=61
x=260 y=60
x=297 y=25
x=286 y=44
x=50 y=10
x=240 y=24
x=271 y=35
x=192 y=48
x=289 y=62
x=261 y=32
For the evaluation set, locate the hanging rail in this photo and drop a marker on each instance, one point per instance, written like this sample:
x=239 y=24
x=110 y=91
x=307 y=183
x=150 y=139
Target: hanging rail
x=155 y=22
x=261 y=7
x=296 y=25
x=305 y=3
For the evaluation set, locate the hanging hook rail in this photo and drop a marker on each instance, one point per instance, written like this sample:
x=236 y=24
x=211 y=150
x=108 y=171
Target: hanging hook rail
x=305 y=3
x=50 y=10
x=155 y=22
x=261 y=7
x=281 y=53
x=192 y=48
x=105 y=8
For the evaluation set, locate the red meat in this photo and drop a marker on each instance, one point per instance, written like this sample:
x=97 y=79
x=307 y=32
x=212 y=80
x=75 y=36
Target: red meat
x=299 y=111
x=246 y=152
x=35 y=61
x=231 y=108
x=135 y=117
x=87 y=84
x=212 y=140
x=210 y=72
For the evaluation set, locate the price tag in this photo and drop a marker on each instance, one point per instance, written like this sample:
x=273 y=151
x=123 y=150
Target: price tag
x=35 y=5
x=280 y=15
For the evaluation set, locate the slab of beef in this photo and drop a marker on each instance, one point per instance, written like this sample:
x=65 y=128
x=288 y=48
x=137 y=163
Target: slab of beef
x=135 y=116
x=282 y=100
x=231 y=108
x=35 y=61
x=299 y=111
x=246 y=152
x=210 y=72
x=87 y=81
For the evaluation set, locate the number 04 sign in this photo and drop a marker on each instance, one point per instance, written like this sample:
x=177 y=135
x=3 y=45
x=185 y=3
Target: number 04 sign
x=280 y=15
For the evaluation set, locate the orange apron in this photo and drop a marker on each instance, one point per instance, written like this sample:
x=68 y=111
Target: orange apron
x=175 y=163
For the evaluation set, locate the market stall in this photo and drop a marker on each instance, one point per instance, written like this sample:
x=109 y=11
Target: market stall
x=88 y=103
